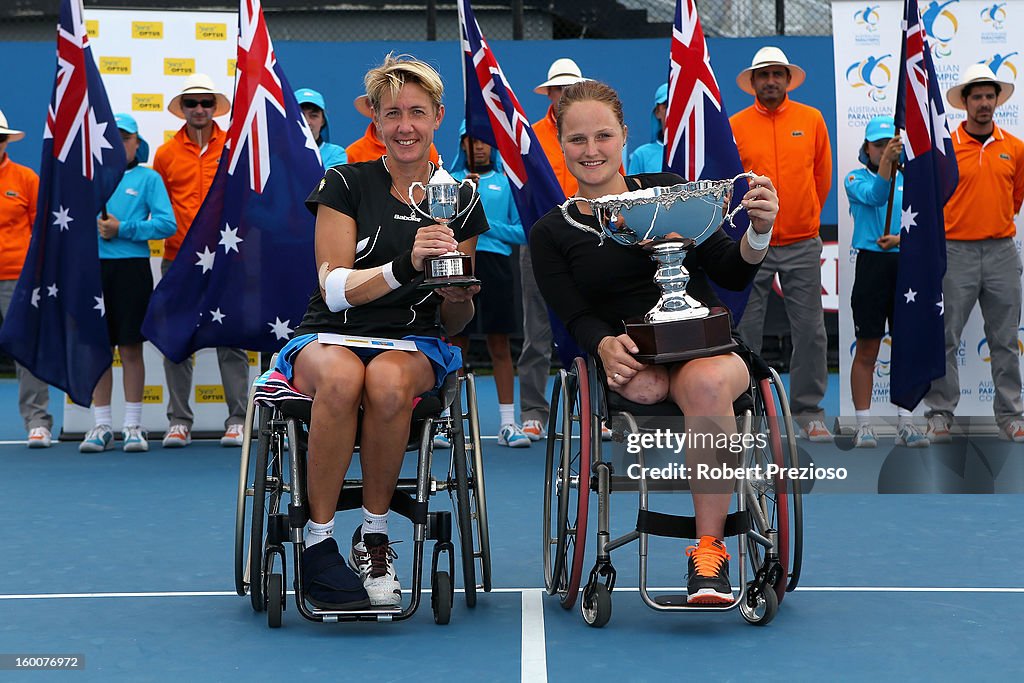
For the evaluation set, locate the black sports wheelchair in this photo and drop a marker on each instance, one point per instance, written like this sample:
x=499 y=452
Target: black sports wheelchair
x=271 y=507
x=768 y=513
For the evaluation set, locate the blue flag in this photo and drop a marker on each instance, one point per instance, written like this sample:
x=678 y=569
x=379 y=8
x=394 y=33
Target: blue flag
x=930 y=177
x=56 y=325
x=699 y=144
x=245 y=271
x=494 y=115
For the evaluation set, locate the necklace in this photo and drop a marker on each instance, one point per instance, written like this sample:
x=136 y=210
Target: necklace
x=413 y=213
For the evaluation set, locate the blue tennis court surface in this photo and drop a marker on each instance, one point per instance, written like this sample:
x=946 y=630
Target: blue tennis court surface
x=127 y=560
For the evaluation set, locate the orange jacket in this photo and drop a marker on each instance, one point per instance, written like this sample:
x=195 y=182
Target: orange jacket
x=188 y=173
x=370 y=148
x=546 y=131
x=991 y=186
x=19 y=189
x=789 y=145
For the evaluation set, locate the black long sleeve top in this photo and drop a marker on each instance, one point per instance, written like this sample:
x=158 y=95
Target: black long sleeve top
x=594 y=287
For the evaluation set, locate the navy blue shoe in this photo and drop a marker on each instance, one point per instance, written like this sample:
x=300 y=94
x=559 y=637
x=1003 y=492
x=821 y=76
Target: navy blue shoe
x=327 y=581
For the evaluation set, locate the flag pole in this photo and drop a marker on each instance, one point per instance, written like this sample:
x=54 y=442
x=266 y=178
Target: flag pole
x=900 y=91
x=892 y=194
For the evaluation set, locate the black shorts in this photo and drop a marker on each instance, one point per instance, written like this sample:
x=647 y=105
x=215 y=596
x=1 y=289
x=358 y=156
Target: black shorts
x=874 y=288
x=127 y=286
x=495 y=308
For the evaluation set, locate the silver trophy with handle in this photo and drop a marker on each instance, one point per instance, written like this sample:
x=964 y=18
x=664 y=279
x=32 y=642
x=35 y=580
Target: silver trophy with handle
x=451 y=269
x=666 y=222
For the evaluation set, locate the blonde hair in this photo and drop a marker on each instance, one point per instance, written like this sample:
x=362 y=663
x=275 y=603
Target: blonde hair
x=395 y=72
x=588 y=91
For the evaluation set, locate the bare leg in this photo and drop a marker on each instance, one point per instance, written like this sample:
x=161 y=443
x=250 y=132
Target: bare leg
x=101 y=394
x=504 y=374
x=393 y=379
x=862 y=372
x=704 y=390
x=333 y=376
x=134 y=372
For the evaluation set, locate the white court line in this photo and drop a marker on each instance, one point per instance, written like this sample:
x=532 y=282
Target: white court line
x=525 y=591
x=534 y=665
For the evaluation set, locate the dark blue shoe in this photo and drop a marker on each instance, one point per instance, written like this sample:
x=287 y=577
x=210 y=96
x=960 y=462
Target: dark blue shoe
x=327 y=581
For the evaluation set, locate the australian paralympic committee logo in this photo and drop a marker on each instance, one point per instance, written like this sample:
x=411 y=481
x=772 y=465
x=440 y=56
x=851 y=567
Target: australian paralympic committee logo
x=872 y=74
x=867 y=19
x=994 y=16
x=1001 y=63
x=985 y=355
x=882 y=362
x=941 y=25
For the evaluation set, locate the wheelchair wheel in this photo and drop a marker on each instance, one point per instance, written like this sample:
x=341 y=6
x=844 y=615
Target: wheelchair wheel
x=463 y=511
x=567 y=483
x=477 y=491
x=791 y=453
x=765 y=607
x=775 y=503
x=275 y=600
x=596 y=605
x=441 y=595
x=241 y=502
x=268 y=486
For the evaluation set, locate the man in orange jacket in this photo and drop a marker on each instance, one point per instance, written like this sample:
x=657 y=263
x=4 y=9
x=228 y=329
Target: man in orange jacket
x=982 y=263
x=788 y=141
x=187 y=163
x=19 y=188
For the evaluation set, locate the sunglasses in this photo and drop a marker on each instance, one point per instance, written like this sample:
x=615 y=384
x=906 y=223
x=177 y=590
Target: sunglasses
x=192 y=104
x=3 y=137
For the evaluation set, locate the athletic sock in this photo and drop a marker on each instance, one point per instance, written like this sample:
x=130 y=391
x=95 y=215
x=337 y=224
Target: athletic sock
x=102 y=415
x=904 y=415
x=374 y=524
x=507 y=411
x=318 y=532
x=863 y=417
x=132 y=414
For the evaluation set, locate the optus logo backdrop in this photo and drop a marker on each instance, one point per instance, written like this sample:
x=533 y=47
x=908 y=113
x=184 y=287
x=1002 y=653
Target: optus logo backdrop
x=867 y=48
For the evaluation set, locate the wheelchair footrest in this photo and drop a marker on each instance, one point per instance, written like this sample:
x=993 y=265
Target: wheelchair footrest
x=676 y=526
x=677 y=601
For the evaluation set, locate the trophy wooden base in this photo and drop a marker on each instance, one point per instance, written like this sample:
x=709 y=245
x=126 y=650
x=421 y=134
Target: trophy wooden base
x=448 y=270
x=679 y=340
x=449 y=282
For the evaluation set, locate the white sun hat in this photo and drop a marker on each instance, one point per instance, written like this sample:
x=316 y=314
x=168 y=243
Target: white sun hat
x=977 y=73
x=12 y=134
x=196 y=86
x=770 y=56
x=562 y=72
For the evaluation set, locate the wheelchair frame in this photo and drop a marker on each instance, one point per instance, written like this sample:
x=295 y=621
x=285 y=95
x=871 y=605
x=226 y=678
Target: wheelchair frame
x=281 y=436
x=768 y=511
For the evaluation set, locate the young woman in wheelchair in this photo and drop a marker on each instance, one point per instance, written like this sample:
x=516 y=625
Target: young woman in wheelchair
x=370 y=246
x=593 y=287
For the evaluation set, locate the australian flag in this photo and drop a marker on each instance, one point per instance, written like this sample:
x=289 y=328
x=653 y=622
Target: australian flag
x=494 y=115
x=56 y=325
x=245 y=271
x=698 y=138
x=930 y=176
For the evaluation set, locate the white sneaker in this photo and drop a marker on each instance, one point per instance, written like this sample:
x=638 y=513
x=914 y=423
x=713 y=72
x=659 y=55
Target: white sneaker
x=100 y=438
x=441 y=441
x=938 y=429
x=534 y=429
x=373 y=559
x=232 y=436
x=135 y=439
x=910 y=436
x=865 y=437
x=178 y=436
x=39 y=437
x=816 y=432
x=1014 y=431
x=513 y=437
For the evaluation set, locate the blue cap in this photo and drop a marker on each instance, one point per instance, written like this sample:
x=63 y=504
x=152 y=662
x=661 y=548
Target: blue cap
x=661 y=94
x=880 y=128
x=310 y=96
x=660 y=97
x=128 y=124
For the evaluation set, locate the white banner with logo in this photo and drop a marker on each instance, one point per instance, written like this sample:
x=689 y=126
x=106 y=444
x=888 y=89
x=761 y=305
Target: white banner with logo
x=867 y=40
x=144 y=58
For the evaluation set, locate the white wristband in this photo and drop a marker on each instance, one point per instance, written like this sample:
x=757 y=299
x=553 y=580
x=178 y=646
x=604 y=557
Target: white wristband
x=757 y=241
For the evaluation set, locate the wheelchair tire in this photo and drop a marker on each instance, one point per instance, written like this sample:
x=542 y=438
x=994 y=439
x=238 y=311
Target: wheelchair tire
x=463 y=512
x=791 y=457
x=441 y=597
x=596 y=605
x=275 y=600
x=570 y=405
x=241 y=502
x=258 y=516
x=477 y=490
x=764 y=611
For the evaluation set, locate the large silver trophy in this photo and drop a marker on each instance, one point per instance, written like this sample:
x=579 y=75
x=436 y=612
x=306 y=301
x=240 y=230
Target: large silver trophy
x=667 y=222
x=452 y=269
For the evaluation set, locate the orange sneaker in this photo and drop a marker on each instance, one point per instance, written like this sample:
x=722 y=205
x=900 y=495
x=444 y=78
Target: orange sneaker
x=707 y=580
